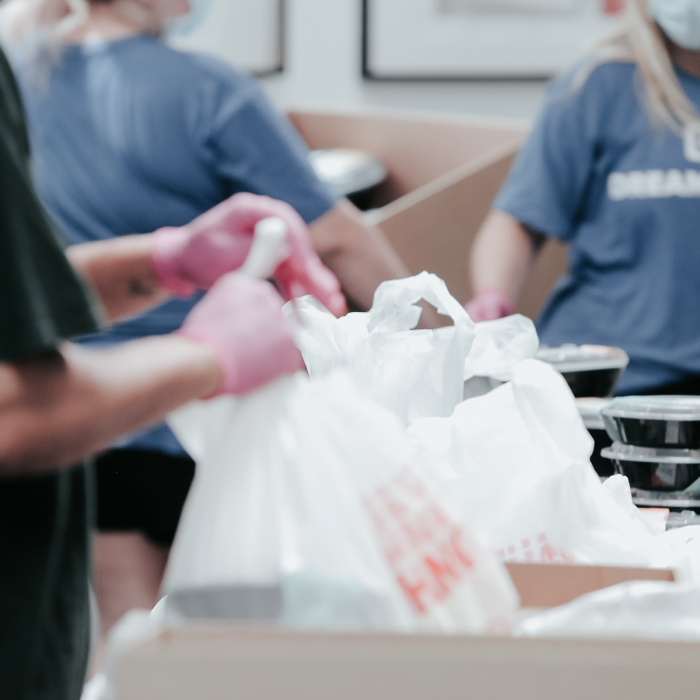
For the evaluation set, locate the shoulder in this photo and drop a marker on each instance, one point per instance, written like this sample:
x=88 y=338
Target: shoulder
x=182 y=72
x=593 y=79
x=593 y=97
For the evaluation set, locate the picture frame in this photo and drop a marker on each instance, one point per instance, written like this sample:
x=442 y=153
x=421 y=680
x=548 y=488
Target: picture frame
x=461 y=40
x=250 y=34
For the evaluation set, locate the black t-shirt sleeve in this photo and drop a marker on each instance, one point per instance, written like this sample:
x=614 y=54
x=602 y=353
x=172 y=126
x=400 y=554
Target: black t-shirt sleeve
x=43 y=302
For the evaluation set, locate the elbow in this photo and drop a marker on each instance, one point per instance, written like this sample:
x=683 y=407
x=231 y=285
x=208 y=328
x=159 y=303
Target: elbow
x=14 y=453
x=24 y=454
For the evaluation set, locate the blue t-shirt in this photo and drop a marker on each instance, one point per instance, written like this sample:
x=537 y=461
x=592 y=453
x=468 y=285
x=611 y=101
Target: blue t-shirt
x=625 y=193
x=130 y=136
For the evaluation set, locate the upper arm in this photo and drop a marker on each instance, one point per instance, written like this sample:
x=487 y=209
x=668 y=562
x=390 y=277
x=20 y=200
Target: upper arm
x=257 y=150
x=26 y=395
x=547 y=184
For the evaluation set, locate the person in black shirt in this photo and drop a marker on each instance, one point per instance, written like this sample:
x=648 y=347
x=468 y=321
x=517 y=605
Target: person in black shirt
x=60 y=403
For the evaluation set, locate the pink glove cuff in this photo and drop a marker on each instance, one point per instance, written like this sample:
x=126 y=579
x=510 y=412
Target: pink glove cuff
x=240 y=380
x=230 y=367
x=241 y=320
x=166 y=252
x=490 y=305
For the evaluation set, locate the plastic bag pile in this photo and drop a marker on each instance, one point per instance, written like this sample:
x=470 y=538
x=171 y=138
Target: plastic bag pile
x=371 y=495
x=312 y=505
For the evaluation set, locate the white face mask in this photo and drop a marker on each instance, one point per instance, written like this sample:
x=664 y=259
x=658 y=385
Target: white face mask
x=680 y=20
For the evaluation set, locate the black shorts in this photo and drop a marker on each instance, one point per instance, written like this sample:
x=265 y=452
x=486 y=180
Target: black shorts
x=142 y=490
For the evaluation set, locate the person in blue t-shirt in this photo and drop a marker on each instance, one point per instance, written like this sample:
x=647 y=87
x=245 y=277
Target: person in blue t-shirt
x=129 y=136
x=612 y=167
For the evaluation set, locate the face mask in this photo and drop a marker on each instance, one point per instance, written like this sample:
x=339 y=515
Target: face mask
x=182 y=26
x=680 y=20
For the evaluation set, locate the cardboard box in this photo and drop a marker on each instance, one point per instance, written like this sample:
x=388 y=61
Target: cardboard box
x=229 y=663
x=549 y=585
x=219 y=662
x=443 y=177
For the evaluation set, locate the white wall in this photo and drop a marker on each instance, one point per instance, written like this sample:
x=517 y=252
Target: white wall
x=323 y=70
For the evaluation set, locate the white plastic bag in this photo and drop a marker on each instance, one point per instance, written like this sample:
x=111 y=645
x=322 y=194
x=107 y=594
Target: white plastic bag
x=499 y=346
x=415 y=373
x=516 y=464
x=655 y=610
x=306 y=487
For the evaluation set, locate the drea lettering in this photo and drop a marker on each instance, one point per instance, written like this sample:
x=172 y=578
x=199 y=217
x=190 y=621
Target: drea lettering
x=654 y=184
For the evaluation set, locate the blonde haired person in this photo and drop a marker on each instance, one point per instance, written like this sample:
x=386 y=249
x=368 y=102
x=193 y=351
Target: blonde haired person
x=613 y=168
x=128 y=136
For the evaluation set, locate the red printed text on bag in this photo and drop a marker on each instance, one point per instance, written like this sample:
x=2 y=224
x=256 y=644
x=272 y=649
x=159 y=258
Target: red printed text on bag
x=422 y=543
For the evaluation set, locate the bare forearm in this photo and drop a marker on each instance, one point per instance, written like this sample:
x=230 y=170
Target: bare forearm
x=120 y=272
x=56 y=410
x=502 y=255
x=358 y=254
x=361 y=257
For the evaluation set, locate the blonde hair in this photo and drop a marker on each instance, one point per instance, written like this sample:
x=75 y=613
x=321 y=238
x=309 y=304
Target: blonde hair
x=640 y=40
x=21 y=18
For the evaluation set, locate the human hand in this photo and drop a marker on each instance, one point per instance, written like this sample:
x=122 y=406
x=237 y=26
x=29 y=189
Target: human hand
x=489 y=305
x=242 y=320
x=218 y=241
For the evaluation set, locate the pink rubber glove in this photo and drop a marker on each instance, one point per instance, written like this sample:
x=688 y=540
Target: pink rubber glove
x=242 y=319
x=489 y=305
x=217 y=242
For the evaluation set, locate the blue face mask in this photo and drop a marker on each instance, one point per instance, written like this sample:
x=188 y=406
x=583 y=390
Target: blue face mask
x=182 y=26
x=680 y=20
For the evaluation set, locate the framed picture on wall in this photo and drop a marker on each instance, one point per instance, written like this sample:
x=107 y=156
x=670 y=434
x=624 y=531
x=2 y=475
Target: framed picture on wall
x=247 y=33
x=480 y=39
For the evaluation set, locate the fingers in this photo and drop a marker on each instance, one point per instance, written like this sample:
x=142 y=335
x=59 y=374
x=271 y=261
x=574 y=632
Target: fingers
x=303 y=272
x=242 y=320
x=315 y=279
x=249 y=209
x=489 y=305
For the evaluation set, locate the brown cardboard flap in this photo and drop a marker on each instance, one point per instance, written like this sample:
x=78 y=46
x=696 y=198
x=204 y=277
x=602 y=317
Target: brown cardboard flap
x=443 y=175
x=549 y=585
x=435 y=232
x=415 y=150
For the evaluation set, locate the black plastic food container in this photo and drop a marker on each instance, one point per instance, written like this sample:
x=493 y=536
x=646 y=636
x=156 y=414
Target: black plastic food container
x=655 y=421
x=652 y=469
x=676 y=501
x=589 y=370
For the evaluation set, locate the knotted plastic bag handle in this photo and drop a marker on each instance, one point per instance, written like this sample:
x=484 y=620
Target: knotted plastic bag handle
x=394 y=308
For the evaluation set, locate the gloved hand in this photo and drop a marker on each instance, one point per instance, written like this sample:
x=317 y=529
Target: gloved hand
x=218 y=241
x=489 y=305
x=242 y=320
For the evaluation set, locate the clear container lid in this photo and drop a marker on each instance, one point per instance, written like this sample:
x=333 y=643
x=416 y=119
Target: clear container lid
x=668 y=408
x=590 y=411
x=683 y=519
x=631 y=453
x=583 y=358
x=347 y=170
x=664 y=499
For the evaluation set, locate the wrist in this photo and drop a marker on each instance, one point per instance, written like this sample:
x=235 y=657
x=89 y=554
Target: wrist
x=496 y=294
x=490 y=304
x=227 y=365
x=206 y=361
x=167 y=249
